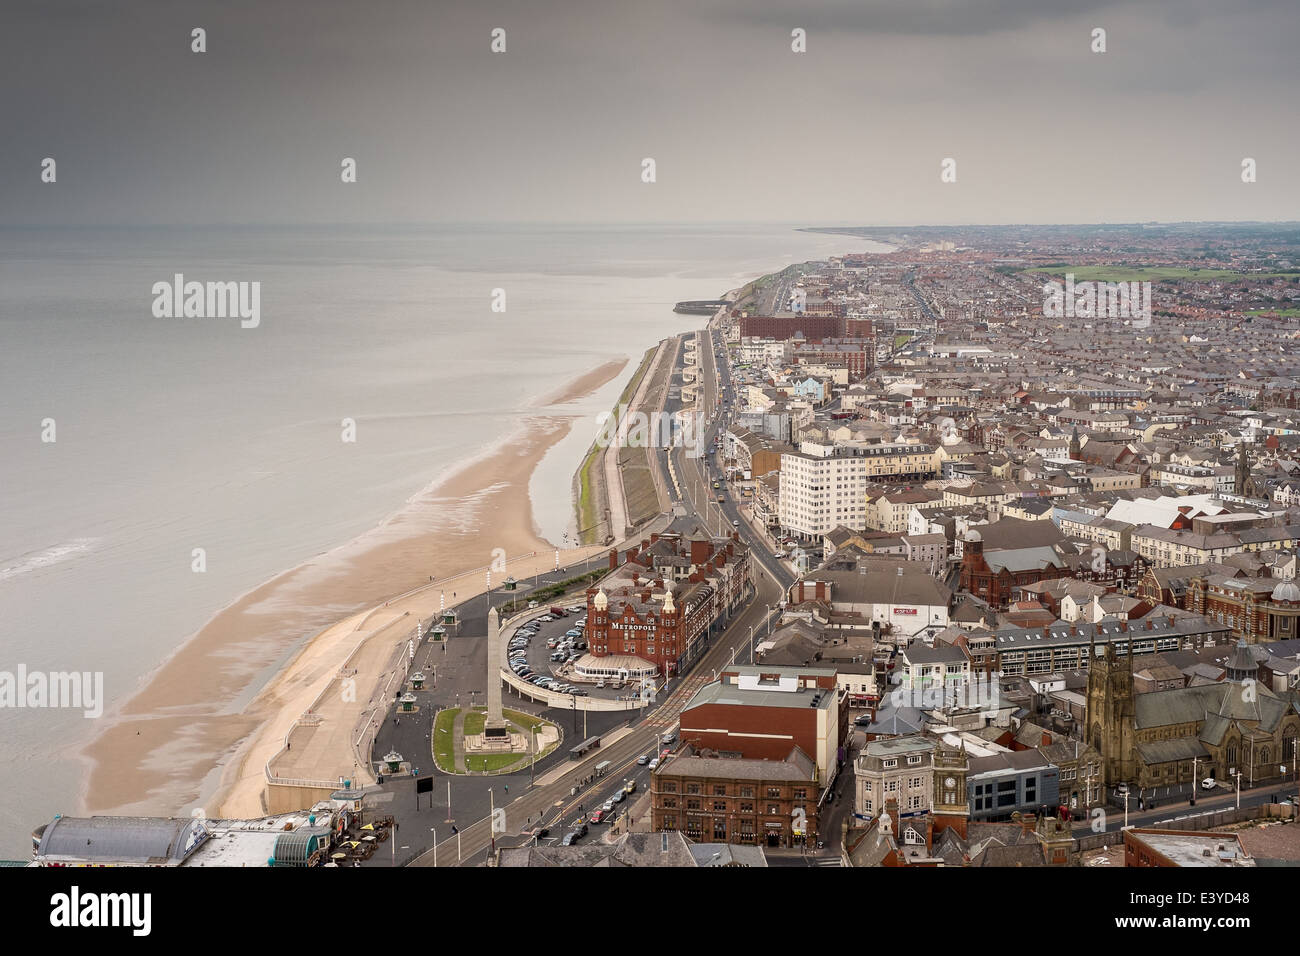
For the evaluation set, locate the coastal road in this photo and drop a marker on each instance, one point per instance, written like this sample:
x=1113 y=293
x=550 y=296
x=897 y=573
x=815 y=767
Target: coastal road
x=553 y=802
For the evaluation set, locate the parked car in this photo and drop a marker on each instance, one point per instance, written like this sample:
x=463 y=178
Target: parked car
x=1209 y=783
x=577 y=608
x=600 y=683
x=654 y=764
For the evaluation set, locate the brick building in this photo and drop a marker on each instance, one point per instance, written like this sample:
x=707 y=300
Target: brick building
x=662 y=604
x=735 y=799
x=762 y=712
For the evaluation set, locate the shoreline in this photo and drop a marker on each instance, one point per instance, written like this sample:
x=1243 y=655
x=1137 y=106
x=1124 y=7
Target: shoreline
x=182 y=736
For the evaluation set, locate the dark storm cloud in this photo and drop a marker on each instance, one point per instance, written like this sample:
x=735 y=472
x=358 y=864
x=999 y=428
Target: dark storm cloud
x=555 y=129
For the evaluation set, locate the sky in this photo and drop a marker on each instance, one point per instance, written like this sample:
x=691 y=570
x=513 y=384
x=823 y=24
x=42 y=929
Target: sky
x=740 y=127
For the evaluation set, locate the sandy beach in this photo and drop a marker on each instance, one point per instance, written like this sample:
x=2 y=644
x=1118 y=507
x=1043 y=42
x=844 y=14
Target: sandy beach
x=203 y=724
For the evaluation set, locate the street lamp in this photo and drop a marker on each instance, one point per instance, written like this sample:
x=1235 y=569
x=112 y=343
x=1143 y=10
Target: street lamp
x=434 y=831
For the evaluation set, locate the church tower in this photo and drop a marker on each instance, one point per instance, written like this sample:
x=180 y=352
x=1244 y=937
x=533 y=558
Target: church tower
x=1244 y=485
x=1111 y=714
x=1075 y=449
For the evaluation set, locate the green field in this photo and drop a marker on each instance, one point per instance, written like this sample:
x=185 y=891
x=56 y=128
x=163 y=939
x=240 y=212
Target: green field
x=1288 y=313
x=1155 y=273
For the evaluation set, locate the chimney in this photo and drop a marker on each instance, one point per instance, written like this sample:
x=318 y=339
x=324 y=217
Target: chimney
x=613 y=558
x=1047 y=631
x=1148 y=624
x=1074 y=630
x=1123 y=625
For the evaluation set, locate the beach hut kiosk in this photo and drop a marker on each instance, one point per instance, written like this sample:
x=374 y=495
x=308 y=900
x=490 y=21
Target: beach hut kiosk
x=417 y=680
x=392 y=762
x=407 y=702
x=510 y=584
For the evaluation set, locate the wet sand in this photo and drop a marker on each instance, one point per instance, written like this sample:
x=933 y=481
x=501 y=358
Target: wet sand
x=192 y=732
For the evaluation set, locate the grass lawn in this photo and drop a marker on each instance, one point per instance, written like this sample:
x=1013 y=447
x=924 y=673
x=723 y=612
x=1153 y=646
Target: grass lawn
x=474 y=721
x=443 y=744
x=475 y=762
x=525 y=721
x=1289 y=313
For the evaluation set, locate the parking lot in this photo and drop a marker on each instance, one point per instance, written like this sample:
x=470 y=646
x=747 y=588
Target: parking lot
x=545 y=646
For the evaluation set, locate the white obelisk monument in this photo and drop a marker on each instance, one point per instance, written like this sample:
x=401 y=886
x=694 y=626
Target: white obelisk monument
x=495 y=725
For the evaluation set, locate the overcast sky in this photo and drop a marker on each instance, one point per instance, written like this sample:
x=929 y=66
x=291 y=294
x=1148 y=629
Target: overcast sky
x=741 y=128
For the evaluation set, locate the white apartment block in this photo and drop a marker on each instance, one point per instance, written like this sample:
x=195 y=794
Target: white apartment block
x=818 y=493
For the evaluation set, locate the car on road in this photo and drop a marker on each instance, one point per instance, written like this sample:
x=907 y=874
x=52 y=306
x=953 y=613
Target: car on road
x=570 y=838
x=598 y=816
x=608 y=806
x=654 y=764
x=576 y=608
x=619 y=796
x=629 y=786
x=1209 y=783
x=642 y=760
x=863 y=721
